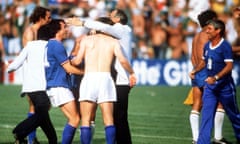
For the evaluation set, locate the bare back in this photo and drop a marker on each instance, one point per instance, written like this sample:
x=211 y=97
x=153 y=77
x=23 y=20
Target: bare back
x=198 y=43
x=98 y=51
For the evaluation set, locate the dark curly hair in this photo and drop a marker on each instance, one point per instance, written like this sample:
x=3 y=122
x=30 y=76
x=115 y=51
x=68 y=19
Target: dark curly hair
x=106 y=20
x=38 y=13
x=206 y=16
x=54 y=27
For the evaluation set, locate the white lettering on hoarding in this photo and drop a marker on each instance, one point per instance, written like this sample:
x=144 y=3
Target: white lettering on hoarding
x=146 y=75
x=176 y=73
x=171 y=73
x=153 y=74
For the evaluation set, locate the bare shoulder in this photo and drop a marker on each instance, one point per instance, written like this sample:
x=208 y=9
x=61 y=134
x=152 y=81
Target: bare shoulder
x=203 y=37
x=111 y=39
x=108 y=38
x=87 y=38
x=28 y=34
x=28 y=31
x=195 y=37
x=103 y=38
x=114 y=42
x=200 y=39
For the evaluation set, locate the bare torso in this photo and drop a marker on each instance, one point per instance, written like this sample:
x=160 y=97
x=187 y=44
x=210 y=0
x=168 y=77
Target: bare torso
x=98 y=52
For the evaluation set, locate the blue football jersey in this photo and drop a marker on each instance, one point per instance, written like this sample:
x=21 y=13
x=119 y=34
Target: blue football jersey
x=56 y=55
x=215 y=57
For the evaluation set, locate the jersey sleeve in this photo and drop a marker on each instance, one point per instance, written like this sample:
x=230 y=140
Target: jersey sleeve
x=227 y=51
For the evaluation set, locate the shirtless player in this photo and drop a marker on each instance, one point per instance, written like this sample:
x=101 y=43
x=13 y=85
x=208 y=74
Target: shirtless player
x=97 y=85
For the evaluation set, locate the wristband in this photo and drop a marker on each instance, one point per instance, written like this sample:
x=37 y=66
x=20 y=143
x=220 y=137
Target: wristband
x=216 y=77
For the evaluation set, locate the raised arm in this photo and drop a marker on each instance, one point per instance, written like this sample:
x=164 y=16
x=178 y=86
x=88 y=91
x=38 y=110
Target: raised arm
x=117 y=30
x=80 y=53
x=76 y=46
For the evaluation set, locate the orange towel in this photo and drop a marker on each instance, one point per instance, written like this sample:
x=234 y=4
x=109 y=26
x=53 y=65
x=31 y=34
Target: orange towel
x=189 y=99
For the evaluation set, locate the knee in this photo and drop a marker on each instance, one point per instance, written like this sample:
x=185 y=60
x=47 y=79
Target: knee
x=74 y=120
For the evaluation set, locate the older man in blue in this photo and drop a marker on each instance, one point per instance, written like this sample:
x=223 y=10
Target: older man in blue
x=218 y=60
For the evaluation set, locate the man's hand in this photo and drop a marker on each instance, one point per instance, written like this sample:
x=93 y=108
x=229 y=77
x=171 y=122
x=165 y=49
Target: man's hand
x=192 y=74
x=74 y=21
x=132 y=80
x=211 y=80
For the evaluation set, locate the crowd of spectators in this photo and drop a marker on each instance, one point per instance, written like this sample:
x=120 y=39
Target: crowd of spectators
x=162 y=29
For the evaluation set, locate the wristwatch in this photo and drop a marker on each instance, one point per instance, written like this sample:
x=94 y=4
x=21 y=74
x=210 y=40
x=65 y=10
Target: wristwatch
x=216 y=77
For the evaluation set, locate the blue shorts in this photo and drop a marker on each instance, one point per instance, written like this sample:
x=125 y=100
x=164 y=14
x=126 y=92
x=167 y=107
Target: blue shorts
x=199 y=79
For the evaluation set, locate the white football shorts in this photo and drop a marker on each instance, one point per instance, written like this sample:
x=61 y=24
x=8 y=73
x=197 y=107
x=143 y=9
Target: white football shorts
x=59 y=96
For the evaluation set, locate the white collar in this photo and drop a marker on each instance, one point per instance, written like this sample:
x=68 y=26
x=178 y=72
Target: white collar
x=219 y=43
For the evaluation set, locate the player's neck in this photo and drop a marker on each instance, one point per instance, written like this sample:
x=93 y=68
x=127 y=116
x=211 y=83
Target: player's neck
x=36 y=26
x=215 y=41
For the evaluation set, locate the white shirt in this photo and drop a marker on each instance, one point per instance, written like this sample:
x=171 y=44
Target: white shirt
x=123 y=34
x=32 y=56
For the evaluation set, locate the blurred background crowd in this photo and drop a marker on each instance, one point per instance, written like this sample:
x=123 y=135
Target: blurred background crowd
x=162 y=29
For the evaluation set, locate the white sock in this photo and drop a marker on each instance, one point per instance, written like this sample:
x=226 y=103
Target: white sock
x=194 y=122
x=92 y=126
x=218 y=124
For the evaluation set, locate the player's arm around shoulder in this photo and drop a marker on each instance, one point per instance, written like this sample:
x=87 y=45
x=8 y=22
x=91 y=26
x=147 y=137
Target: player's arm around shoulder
x=69 y=68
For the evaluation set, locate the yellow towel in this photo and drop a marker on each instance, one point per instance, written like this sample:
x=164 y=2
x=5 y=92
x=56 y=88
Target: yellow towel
x=189 y=99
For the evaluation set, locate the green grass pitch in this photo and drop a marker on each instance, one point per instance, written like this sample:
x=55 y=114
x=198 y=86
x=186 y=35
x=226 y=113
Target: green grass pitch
x=156 y=116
